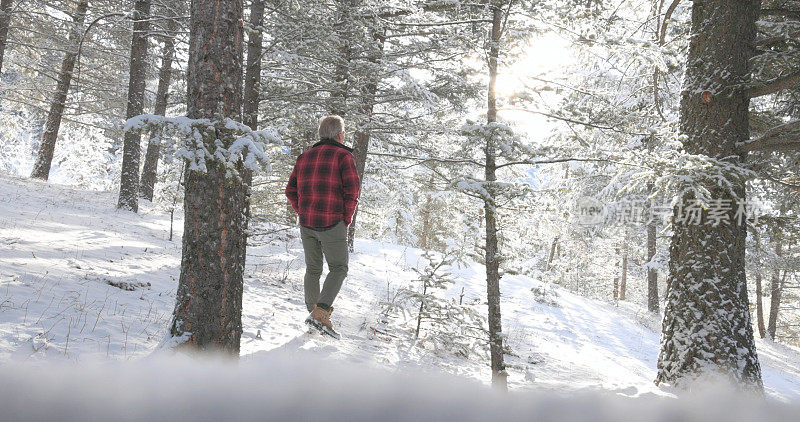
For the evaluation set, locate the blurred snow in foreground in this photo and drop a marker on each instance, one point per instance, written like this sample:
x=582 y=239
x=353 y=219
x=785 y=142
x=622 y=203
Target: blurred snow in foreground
x=268 y=386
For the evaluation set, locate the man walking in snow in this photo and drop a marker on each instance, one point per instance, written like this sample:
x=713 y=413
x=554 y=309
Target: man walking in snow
x=323 y=190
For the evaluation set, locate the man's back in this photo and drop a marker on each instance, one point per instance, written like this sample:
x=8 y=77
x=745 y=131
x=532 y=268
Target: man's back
x=324 y=184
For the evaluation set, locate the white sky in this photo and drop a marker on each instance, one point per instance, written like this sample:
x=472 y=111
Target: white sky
x=548 y=57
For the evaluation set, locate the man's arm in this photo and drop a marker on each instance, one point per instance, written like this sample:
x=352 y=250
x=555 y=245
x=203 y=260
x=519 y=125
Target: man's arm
x=350 y=186
x=291 y=190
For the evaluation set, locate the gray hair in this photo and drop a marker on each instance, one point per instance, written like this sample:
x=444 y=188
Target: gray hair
x=330 y=126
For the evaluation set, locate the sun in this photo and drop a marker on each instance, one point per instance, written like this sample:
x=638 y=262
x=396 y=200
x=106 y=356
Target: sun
x=546 y=57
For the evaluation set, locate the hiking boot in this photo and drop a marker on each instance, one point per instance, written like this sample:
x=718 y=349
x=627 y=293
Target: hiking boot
x=320 y=317
x=321 y=320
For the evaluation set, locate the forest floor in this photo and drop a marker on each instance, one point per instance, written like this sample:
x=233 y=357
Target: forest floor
x=81 y=281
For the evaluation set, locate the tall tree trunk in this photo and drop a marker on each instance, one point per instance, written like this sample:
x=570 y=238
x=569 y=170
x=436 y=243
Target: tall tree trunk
x=552 y=253
x=41 y=169
x=131 y=149
x=346 y=34
x=424 y=242
x=208 y=309
x=776 y=289
x=150 y=168
x=760 y=306
x=252 y=90
x=252 y=77
x=624 y=280
x=499 y=374
x=5 y=21
x=362 y=138
x=759 y=291
x=652 y=274
x=304 y=139
x=706 y=329
x=616 y=275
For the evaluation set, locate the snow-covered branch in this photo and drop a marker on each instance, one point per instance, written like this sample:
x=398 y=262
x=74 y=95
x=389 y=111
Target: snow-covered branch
x=781 y=137
x=202 y=140
x=785 y=82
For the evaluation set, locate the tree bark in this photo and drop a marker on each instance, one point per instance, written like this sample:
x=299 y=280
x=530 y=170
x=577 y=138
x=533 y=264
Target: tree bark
x=552 y=253
x=652 y=274
x=426 y=217
x=5 y=21
x=131 y=149
x=760 y=306
x=624 y=280
x=759 y=291
x=41 y=169
x=362 y=137
x=252 y=90
x=707 y=330
x=616 y=274
x=499 y=375
x=208 y=310
x=303 y=140
x=252 y=77
x=346 y=34
x=775 y=287
x=150 y=168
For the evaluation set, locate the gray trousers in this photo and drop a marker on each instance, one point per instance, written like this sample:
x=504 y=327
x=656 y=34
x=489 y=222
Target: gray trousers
x=333 y=244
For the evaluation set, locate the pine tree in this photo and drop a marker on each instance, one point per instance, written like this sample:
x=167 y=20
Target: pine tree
x=208 y=311
x=150 y=167
x=439 y=322
x=706 y=329
x=5 y=21
x=129 y=181
x=41 y=169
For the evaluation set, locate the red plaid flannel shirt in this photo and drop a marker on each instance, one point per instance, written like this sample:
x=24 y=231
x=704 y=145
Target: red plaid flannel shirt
x=324 y=185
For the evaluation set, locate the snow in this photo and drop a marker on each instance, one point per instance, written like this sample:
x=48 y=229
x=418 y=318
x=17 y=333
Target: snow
x=281 y=388
x=84 y=286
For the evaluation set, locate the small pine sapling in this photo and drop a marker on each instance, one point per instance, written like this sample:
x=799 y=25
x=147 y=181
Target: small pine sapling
x=439 y=322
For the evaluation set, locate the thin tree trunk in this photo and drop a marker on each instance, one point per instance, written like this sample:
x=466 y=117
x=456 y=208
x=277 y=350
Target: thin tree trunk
x=361 y=144
x=346 y=35
x=421 y=308
x=616 y=275
x=760 y=306
x=652 y=274
x=303 y=140
x=426 y=217
x=252 y=77
x=775 y=288
x=499 y=375
x=41 y=169
x=552 y=253
x=252 y=90
x=759 y=291
x=624 y=280
x=208 y=309
x=150 y=168
x=131 y=149
x=5 y=21
x=707 y=330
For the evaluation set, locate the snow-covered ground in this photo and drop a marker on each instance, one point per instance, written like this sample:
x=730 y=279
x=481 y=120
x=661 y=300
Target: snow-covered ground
x=82 y=282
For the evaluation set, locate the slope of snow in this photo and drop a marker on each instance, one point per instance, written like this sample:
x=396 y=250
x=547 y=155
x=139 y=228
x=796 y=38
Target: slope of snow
x=80 y=280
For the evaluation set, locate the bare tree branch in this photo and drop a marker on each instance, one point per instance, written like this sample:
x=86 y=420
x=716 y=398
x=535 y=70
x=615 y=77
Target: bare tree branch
x=789 y=81
x=787 y=13
x=781 y=137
